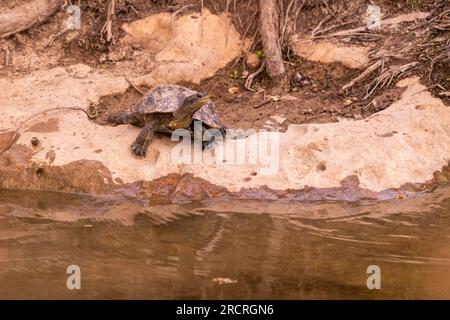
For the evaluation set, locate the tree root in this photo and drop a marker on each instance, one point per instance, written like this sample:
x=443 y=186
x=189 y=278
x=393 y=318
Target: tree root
x=55 y=36
x=176 y=13
x=107 y=27
x=249 y=80
x=386 y=77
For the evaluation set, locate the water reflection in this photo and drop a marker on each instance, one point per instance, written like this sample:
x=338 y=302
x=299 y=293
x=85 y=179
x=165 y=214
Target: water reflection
x=272 y=250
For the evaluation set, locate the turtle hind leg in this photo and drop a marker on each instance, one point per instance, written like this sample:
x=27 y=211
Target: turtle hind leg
x=140 y=145
x=117 y=118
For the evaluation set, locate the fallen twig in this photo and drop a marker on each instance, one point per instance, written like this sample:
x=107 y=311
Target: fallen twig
x=351 y=34
x=372 y=68
x=333 y=27
x=134 y=86
x=259 y=105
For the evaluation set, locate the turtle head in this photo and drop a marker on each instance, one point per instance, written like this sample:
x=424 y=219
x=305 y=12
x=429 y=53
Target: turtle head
x=194 y=102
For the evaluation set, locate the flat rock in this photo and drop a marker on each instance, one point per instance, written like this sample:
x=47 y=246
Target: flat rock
x=328 y=52
x=278 y=119
x=190 y=47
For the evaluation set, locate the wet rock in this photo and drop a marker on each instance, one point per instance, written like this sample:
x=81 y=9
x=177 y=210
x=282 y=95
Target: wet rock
x=193 y=188
x=175 y=187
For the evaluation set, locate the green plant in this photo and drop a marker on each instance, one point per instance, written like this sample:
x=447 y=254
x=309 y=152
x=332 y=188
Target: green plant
x=235 y=75
x=259 y=53
x=413 y=3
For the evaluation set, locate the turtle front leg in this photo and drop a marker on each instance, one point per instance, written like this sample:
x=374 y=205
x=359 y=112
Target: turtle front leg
x=139 y=146
x=208 y=144
x=117 y=118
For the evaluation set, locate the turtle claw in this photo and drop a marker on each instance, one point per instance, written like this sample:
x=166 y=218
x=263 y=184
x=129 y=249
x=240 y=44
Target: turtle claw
x=138 y=149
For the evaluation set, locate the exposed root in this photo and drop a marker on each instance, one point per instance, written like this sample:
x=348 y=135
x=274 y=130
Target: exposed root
x=249 y=80
x=174 y=15
x=316 y=29
x=297 y=12
x=371 y=69
x=386 y=77
x=54 y=36
x=107 y=27
x=359 y=31
x=286 y=19
x=136 y=11
x=443 y=57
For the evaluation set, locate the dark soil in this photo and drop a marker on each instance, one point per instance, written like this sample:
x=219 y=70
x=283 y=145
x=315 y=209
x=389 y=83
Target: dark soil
x=315 y=100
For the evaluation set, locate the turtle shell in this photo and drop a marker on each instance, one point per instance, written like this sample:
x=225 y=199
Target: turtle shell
x=168 y=98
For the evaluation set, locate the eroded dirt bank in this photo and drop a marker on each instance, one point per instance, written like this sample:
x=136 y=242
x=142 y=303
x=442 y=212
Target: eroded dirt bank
x=331 y=146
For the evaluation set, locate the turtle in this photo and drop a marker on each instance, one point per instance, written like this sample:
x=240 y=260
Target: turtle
x=167 y=108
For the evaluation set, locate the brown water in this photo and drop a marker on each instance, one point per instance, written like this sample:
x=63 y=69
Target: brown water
x=128 y=249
